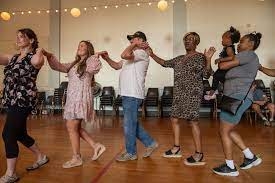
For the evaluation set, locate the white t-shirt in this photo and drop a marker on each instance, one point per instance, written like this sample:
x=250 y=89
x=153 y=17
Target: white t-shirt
x=132 y=75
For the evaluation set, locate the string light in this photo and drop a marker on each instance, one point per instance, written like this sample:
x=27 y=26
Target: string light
x=162 y=5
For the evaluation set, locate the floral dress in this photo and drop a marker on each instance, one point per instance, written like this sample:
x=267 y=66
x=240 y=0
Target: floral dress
x=79 y=101
x=188 y=84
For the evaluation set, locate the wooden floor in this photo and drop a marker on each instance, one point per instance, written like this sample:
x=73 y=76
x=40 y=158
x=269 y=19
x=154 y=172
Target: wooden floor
x=50 y=133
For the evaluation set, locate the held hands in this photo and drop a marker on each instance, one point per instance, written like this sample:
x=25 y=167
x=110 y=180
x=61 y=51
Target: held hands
x=97 y=54
x=104 y=55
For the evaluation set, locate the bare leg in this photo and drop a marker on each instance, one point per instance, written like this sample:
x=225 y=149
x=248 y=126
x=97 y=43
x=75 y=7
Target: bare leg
x=85 y=136
x=11 y=166
x=225 y=130
x=237 y=139
x=196 y=135
x=35 y=150
x=73 y=127
x=176 y=131
x=257 y=109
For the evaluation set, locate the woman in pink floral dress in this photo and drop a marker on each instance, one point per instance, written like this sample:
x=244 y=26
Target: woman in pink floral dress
x=79 y=102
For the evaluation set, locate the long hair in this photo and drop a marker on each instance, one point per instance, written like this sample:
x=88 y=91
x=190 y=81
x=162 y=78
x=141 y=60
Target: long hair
x=31 y=35
x=82 y=66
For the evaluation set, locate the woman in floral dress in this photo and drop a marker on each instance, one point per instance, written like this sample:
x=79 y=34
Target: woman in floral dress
x=189 y=71
x=79 y=102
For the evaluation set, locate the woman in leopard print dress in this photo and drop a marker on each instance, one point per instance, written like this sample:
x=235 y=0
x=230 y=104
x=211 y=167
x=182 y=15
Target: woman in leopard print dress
x=189 y=71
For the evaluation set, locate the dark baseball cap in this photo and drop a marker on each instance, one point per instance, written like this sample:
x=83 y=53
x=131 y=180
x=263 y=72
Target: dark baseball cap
x=138 y=34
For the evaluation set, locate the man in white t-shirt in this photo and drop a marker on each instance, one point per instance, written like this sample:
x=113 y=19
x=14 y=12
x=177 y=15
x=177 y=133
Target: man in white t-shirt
x=131 y=87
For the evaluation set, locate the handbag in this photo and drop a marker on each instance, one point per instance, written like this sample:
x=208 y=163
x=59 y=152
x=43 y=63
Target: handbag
x=231 y=105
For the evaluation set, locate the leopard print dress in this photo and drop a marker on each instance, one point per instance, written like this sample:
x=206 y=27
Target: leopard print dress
x=189 y=71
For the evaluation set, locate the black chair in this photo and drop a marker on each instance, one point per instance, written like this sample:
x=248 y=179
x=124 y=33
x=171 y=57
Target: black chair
x=58 y=100
x=152 y=100
x=117 y=104
x=208 y=103
x=41 y=100
x=64 y=85
x=107 y=98
x=166 y=98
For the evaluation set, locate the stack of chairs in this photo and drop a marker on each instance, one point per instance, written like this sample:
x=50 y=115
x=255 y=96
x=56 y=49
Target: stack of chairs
x=166 y=99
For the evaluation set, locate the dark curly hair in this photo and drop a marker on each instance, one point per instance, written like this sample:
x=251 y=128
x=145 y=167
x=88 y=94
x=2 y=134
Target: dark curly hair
x=234 y=35
x=255 y=37
x=31 y=35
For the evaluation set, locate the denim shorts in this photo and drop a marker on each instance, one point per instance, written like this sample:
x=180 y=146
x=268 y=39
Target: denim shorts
x=235 y=119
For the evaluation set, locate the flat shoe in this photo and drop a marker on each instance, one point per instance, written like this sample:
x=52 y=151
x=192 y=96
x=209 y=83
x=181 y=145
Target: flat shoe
x=38 y=164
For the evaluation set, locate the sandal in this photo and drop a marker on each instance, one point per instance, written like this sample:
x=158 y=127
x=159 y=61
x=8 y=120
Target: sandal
x=170 y=154
x=9 y=179
x=191 y=161
x=74 y=162
x=38 y=164
x=99 y=150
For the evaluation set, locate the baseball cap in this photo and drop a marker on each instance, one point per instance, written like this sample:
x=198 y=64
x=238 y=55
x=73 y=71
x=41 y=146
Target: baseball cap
x=138 y=34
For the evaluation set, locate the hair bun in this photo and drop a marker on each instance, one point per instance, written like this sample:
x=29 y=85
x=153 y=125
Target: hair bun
x=232 y=29
x=258 y=35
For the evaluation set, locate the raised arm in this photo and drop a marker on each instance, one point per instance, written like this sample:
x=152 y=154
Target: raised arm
x=267 y=71
x=38 y=58
x=56 y=65
x=207 y=71
x=4 y=59
x=93 y=64
x=115 y=65
x=155 y=57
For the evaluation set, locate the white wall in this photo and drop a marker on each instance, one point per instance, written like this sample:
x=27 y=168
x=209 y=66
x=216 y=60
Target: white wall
x=39 y=23
x=210 y=18
x=107 y=29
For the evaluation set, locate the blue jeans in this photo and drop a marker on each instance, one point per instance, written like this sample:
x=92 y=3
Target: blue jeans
x=132 y=128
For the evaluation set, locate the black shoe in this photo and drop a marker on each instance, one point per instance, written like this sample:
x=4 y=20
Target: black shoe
x=225 y=170
x=170 y=154
x=249 y=163
x=190 y=161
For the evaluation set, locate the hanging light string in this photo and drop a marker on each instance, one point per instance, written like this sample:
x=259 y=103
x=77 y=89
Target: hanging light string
x=87 y=8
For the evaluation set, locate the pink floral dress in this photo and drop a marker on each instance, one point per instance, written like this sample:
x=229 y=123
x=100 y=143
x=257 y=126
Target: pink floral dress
x=79 y=101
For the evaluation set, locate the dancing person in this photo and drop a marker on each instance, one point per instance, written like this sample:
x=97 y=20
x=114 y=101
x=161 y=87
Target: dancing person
x=241 y=73
x=19 y=96
x=79 y=101
x=132 y=85
x=229 y=38
x=189 y=70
